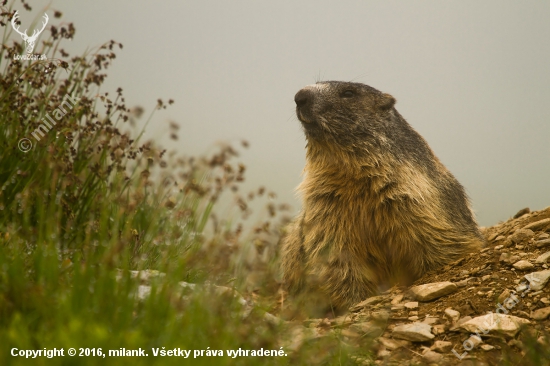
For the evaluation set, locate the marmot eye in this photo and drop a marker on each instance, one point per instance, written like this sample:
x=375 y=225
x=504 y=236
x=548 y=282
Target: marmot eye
x=348 y=94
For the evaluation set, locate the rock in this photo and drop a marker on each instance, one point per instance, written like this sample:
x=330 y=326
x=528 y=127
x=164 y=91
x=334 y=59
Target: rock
x=432 y=357
x=505 y=258
x=507 y=325
x=380 y=316
x=503 y=296
x=452 y=315
x=537 y=280
x=383 y=353
x=542 y=243
x=397 y=307
x=474 y=341
x=439 y=329
x=411 y=305
x=392 y=344
x=298 y=336
x=540 y=314
x=486 y=278
x=442 y=346
x=370 y=301
x=521 y=235
x=413 y=318
x=522 y=212
x=430 y=320
x=487 y=347
x=349 y=333
x=415 y=332
x=342 y=320
x=544 y=236
x=396 y=300
x=499 y=247
x=537 y=225
x=522 y=287
x=432 y=291
x=515 y=343
x=543 y=258
x=523 y=265
x=461 y=321
x=464 y=282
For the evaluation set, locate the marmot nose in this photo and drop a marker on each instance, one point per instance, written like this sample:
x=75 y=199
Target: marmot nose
x=303 y=97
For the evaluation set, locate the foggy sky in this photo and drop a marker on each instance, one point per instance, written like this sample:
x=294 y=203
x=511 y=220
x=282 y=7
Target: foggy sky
x=472 y=77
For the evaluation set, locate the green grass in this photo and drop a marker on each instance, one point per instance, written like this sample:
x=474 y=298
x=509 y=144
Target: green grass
x=90 y=200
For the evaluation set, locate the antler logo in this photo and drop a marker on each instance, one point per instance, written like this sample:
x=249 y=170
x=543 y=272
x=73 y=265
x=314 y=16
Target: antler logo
x=29 y=40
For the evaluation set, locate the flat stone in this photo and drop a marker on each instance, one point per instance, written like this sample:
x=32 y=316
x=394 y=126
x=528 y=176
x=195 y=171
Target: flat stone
x=411 y=305
x=415 y=332
x=461 y=321
x=543 y=258
x=542 y=243
x=521 y=235
x=507 y=325
x=540 y=314
x=442 y=346
x=396 y=300
x=452 y=315
x=370 y=301
x=392 y=344
x=431 y=320
x=537 y=280
x=487 y=347
x=431 y=291
x=523 y=265
x=537 y=225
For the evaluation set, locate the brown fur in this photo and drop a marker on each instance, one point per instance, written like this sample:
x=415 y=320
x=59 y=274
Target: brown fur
x=378 y=207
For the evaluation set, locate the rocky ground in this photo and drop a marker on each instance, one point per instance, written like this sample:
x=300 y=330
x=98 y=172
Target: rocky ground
x=490 y=308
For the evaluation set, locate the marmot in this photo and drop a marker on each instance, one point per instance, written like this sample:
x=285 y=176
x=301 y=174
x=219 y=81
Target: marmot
x=379 y=208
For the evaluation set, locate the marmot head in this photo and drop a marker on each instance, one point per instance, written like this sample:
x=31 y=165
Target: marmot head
x=344 y=113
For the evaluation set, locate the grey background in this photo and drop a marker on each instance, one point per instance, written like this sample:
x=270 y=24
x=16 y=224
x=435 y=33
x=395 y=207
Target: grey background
x=470 y=76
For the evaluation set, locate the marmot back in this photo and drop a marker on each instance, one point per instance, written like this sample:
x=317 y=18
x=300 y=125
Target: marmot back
x=379 y=208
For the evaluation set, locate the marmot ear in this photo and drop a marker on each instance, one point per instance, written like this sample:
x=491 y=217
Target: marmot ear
x=386 y=102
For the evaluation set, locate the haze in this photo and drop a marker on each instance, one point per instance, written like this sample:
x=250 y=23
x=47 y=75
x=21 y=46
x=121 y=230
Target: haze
x=472 y=77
